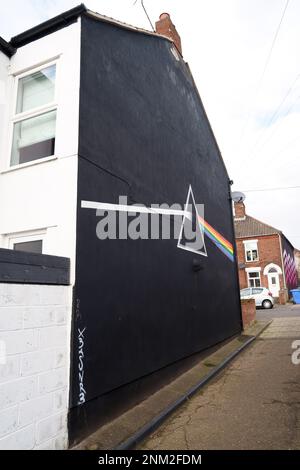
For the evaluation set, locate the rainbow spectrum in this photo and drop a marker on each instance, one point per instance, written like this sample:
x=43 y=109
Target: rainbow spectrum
x=224 y=245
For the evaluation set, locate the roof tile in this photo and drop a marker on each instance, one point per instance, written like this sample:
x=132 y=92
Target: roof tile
x=251 y=227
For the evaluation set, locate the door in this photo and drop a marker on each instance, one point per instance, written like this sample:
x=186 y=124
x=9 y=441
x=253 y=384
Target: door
x=274 y=284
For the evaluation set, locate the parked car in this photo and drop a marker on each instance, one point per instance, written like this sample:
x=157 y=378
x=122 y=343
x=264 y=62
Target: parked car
x=261 y=295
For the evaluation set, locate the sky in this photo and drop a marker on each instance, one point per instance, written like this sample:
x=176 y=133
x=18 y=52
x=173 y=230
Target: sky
x=248 y=78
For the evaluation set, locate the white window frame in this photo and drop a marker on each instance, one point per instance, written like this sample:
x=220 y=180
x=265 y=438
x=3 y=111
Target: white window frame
x=38 y=111
x=254 y=270
x=245 y=242
x=23 y=237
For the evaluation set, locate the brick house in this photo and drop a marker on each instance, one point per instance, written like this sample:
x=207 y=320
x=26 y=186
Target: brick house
x=265 y=255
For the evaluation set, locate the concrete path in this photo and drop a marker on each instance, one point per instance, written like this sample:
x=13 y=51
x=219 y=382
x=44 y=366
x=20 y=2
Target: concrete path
x=253 y=404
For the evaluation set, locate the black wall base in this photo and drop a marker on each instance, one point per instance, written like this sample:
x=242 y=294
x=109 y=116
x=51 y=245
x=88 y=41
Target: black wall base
x=86 y=419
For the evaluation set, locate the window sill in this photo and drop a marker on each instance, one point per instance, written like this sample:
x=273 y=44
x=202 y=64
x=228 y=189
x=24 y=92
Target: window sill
x=28 y=164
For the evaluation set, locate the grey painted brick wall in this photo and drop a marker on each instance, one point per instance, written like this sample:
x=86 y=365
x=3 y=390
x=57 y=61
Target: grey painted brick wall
x=34 y=366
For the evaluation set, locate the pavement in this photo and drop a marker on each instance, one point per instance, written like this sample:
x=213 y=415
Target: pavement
x=253 y=404
x=130 y=427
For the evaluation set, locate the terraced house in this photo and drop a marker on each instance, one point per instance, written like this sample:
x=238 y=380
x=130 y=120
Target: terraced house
x=265 y=256
x=94 y=109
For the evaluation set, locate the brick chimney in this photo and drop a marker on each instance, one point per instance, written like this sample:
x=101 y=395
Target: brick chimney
x=239 y=210
x=165 y=27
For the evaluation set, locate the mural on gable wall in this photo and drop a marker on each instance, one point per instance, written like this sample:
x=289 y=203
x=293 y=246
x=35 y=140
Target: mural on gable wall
x=190 y=207
x=290 y=270
x=289 y=264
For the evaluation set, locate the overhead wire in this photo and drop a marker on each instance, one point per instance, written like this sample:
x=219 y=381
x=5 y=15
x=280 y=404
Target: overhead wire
x=264 y=70
x=282 y=188
x=274 y=115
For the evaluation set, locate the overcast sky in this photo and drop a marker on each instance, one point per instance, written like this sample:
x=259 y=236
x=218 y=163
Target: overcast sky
x=227 y=45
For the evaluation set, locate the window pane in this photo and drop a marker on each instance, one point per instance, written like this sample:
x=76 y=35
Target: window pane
x=33 y=138
x=253 y=275
x=251 y=245
x=257 y=291
x=36 y=89
x=254 y=255
x=257 y=282
x=249 y=256
x=245 y=292
x=35 y=246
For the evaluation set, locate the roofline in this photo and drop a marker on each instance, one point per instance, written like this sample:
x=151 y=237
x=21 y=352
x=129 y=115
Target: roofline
x=264 y=223
x=290 y=243
x=65 y=19
x=257 y=236
x=209 y=125
x=276 y=231
x=6 y=48
x=50 y=26
x=121 y=24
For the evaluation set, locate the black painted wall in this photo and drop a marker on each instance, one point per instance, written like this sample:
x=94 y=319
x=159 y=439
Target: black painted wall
x=144 y=134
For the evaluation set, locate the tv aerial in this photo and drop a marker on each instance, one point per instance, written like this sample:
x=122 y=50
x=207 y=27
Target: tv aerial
x=238 y=196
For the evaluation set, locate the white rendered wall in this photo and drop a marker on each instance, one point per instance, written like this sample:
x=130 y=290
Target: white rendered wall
x=4 y=62
x=35 y=321
x=43 y=195
x=34 y=377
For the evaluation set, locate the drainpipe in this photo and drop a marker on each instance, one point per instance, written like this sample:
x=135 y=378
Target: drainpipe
x=236 y=267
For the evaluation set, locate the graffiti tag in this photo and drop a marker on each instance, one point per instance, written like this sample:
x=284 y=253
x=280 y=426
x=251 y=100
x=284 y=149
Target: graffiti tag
x=82 y=391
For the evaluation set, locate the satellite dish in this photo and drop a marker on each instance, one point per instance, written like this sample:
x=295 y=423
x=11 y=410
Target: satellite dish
x=237 y=196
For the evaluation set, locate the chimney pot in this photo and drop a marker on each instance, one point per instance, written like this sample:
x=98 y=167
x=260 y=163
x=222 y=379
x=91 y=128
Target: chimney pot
x=165 y=27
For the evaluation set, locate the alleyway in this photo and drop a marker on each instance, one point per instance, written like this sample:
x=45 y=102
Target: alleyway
x=253 y=404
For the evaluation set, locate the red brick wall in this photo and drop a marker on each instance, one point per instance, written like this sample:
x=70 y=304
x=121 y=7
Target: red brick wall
x=268 y=252
x=248 y=311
